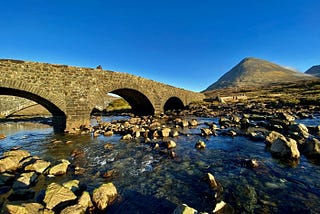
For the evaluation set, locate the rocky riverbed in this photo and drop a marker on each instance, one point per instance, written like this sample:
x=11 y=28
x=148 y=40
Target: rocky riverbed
x=179 y=139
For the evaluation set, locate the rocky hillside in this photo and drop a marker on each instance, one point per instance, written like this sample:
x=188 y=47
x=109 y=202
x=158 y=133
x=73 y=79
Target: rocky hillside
x=252 y=72
x=314 y=71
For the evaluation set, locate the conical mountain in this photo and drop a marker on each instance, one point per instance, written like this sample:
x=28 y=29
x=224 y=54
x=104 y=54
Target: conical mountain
x=253 y=72
x=314 y=71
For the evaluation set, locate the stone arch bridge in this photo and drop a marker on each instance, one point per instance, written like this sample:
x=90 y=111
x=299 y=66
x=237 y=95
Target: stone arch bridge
x=70 y=93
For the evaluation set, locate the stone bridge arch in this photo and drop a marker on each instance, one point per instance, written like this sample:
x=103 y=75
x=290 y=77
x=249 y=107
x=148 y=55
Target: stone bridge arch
x=139 y=102
x=40 y=96
x=173 y=103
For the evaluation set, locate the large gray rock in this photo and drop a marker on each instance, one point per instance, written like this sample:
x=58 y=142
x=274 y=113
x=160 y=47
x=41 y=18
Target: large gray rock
x=56 y=194
x=211 y=180
x=19 y=154
x=170 y=144
x=59 y=169
x=38 y=166
x=165 y=132
x=25 y=180
x=10 y=160
x=286 y=116
x=23 y=208
x=312 y=148
x=127 y=137
x=73 y=185
x=9 y=164
x=104 y=195
x=75 y=209
x=272 y=137
x=219 y=206
x=285 y=148
x=200 y=145
x=206 y=132
x=193 y=122
x=182 y=123
x=85 y=200
x=184 y=209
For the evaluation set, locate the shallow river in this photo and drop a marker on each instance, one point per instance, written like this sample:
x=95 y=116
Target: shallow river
x=151 y=182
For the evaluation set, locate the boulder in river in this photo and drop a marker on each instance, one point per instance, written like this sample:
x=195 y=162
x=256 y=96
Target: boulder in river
x=85 y=200
x=104 y=195
x=174 y=133
x=170 y=144
x=206 y=132
x=249 y=163
x=272 y=137
x=193 y=122
x=200 y=145
x=59 y=169
x=184 y=209
x=56 y=194
x=2 y=136
x=38 y=166
x=127 y=137
x=24 y=208
x=286 y=116
x=219 y=206
x=108 y=133
x=183 y=123
x=10 y=160
x=74 y=209
x=25 y=180
x=165 y=132
x=312 y=148
x=211 y=180
x=285 y=148
x=73 y=185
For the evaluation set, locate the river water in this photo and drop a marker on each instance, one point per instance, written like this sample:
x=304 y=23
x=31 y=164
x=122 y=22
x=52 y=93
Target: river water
x=149 y=181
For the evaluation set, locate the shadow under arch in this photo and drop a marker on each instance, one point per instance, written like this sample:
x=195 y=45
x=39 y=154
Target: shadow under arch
x=139 y=103
x=173 y=103
x=59 y=117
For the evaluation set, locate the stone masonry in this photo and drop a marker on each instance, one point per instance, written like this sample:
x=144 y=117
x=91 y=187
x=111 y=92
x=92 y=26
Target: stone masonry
x=10 y=105
x=70 y=93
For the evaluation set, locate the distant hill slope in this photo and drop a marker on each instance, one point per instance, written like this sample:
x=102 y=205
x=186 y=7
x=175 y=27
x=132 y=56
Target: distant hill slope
x=314 y=71
x=253 y=72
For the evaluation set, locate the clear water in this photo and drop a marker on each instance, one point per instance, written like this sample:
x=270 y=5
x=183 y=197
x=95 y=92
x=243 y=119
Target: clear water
x=151 y=182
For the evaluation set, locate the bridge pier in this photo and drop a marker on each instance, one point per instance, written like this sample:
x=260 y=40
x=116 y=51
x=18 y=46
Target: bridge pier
x=76 y=123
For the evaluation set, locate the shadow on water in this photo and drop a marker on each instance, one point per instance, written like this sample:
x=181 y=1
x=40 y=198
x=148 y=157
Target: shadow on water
x=135 y=202
x=42 y=120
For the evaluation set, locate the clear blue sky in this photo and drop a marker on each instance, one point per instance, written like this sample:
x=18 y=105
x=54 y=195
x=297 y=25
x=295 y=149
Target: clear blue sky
x=187 y=44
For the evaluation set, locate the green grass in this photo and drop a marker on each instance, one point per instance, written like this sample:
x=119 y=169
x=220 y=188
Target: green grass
x=118 y=105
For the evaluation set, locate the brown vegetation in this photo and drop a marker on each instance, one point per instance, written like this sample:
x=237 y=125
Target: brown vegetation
x=301 y=93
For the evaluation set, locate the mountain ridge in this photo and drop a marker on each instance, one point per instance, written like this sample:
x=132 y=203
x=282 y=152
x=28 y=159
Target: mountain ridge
x=314 y=71
x=254 y=72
